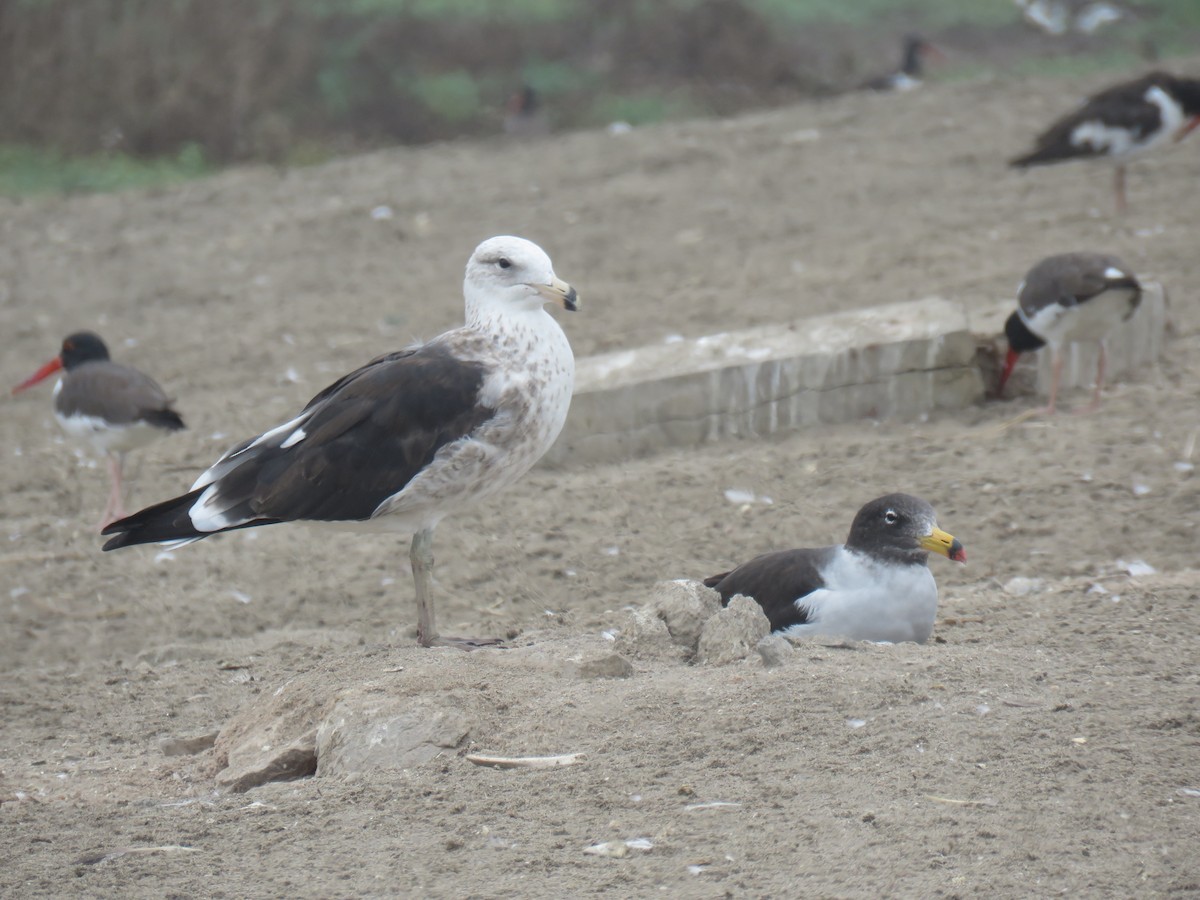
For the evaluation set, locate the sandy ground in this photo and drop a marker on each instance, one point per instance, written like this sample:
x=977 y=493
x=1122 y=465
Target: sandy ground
x=1047 y=741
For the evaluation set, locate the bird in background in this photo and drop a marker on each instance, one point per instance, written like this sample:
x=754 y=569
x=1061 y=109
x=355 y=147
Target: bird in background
x=1120 y=124
x=523 y=114
x=1066 y=298
x=407 y=439
x=875 y=587
x=108 y=406
x=916 y=50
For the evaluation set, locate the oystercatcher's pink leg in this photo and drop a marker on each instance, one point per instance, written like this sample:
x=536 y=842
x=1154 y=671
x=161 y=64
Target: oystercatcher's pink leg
x=1095 y=404
x=1056 y=367
x=1119 y=189
x=115 y=508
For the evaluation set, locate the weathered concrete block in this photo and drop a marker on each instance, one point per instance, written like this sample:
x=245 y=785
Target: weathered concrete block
x=895 y=361
x=1133 y=346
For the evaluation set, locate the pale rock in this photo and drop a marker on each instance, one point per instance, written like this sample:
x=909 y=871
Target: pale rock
x=775 y=650
x=273 y=739
x=609 y=665
x=187 y=746
x=370 y=731
x=684 y=606
x=733 y=633
x=642 y=634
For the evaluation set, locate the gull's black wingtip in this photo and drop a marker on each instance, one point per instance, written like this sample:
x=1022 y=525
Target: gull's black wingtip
x=166 y=521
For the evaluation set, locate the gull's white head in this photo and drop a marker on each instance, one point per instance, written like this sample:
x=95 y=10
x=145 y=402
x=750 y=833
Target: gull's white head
x=513 y=273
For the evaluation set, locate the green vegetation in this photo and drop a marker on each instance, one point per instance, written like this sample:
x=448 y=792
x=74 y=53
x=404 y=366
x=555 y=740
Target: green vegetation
x=315 y=76
x=30 y=170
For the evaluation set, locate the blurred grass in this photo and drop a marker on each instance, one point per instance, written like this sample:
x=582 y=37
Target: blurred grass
x=33 y=170
x=386 y=71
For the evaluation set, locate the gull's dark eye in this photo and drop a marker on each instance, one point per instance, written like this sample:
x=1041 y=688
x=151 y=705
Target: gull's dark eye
x=503 y=262
x=890 y=517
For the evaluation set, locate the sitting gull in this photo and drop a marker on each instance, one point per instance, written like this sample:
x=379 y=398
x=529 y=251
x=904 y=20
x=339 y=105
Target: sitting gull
x=114 y=408
x=875 y=587
x=410 y=437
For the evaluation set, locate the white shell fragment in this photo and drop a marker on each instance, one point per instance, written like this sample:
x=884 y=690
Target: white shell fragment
x=526 y=762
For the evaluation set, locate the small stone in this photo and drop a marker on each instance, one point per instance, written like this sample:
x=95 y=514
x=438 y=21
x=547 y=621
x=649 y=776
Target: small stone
x=775 y=650
x=733 y=633
x=611 y=849
x=1021 y=586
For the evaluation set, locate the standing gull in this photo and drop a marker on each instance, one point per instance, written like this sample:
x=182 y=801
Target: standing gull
x=410 y=437
x=1070 y=297
x=1120 y=124
x=875 y=587
x=114 y=408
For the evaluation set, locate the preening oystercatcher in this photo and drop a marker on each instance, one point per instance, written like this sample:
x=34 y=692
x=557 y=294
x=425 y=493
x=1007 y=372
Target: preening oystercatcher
x=875 y=587
x=113 y=408
x=1065 y=298
x=410 y=437
x=1121 y=123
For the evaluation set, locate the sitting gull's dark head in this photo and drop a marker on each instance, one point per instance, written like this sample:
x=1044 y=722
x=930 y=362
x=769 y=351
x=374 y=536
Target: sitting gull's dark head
x=507 y=274
x=901 y=528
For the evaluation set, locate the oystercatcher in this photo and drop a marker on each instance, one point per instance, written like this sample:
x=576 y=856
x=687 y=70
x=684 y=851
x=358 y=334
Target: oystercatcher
x=1070 y=297
x=410 y=437
x=1121 y=123
x=875 y=587
x=908 y=76
x=523 y=115
x=113 y=408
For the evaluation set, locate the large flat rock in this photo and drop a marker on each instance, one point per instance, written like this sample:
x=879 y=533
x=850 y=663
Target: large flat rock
x=894 y=361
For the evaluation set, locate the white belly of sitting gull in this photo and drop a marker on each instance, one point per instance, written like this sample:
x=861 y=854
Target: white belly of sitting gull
x=409 y=438
x=870 y=600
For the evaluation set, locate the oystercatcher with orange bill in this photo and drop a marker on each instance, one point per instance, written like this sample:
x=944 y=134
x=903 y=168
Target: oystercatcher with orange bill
x=113 y=408
x=875 y=587
x=1066 y=298
x=524 y=116
x=908 y=77
x=1120 y=124
x=409 y=438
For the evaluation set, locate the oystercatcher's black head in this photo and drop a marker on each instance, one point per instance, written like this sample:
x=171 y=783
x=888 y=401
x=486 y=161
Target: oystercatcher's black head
x=916 y=51
x=523 y=103
x=1020 y=340
x=82 y=347
x=77 y=349
x=1187 y=92
x=901 y=528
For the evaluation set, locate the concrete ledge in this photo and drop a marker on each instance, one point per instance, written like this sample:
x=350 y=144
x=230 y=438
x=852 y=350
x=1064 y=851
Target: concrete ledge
x=896 y=361
x=1137 y=344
